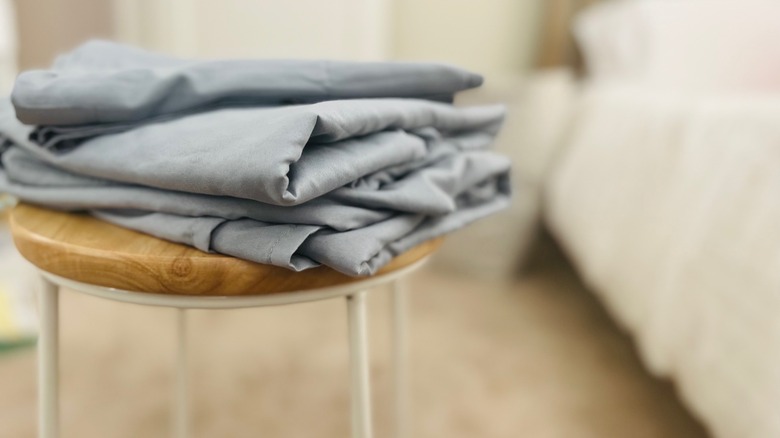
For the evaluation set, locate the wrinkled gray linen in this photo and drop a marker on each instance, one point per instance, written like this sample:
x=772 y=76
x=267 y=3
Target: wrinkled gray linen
x=107 y=87
x=349 y=183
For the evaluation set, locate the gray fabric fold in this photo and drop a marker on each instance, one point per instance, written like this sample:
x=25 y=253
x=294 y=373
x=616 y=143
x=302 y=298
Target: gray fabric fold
x=103 y=82
x=352 y=238
x=223 y=156
x=428 y=190
x=285 y=155
x=360 y=251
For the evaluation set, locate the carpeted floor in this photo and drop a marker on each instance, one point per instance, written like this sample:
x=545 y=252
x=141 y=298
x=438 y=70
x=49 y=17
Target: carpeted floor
x=538 y=358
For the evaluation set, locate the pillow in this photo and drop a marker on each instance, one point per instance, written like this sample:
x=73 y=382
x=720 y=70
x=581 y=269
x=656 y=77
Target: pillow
x=699 y=45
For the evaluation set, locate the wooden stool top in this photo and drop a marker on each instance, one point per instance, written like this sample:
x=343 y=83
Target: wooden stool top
x=82 y=248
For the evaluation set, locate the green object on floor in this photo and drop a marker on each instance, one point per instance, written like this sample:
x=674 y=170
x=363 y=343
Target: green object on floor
x=12 y=346
x=14 y=334
x=18 y=321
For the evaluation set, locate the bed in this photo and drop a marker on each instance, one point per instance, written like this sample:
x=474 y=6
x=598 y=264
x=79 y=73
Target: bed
x=666 y=196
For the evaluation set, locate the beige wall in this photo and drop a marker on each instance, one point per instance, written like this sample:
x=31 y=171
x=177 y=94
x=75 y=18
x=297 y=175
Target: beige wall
x=304 y=28
x=496 y=37
x=8 y=54
x=489 y=36
x=48 y=27
x=345 y=29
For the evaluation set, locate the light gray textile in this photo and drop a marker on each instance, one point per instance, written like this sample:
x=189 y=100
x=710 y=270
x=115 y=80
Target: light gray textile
x=257 y=153
x=348 y=183
x=331 y=230
x=104 y=82
x=457 y=175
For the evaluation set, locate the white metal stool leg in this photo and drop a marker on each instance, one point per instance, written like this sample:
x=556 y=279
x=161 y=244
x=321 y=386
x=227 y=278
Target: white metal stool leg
x=48 y=362
x=400 y=359
x=358 y=345
x=181 y=401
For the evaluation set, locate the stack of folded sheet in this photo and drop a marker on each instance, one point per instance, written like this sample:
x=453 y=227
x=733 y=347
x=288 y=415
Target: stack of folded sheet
x=283 y=162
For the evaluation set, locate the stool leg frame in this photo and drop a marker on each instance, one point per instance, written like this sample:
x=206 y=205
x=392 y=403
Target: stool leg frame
x=182 y=399
x=48 y=345
x=359 y=366
x=48 y=362
x=400 y=359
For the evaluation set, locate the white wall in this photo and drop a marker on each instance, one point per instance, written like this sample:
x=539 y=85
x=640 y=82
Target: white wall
x=341 y=29
x=489 y=36
x=7 y=46
x=282 y=28
x=494 y=37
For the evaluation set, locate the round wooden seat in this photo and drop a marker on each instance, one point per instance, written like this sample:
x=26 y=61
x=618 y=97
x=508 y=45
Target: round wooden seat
x=81 y=248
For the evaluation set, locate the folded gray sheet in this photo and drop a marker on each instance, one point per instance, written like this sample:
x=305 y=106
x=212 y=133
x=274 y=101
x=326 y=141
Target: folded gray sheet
x=103 y=86
x=349 y=183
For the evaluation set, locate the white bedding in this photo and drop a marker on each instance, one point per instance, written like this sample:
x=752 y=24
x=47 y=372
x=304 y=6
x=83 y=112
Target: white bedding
x=670 y=208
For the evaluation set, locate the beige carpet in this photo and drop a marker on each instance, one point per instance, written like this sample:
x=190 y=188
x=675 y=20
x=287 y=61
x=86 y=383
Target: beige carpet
x=538 y=358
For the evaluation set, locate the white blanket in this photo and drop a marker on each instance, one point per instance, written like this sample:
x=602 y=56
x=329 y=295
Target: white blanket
x=670 y=208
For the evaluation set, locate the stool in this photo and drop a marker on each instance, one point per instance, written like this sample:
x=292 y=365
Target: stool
x=87 y=255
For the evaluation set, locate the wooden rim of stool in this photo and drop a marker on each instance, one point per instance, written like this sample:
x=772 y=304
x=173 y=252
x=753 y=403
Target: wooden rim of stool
x=79 y=247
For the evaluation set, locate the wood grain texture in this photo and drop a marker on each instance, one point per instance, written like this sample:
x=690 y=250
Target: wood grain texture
x=85 y=249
